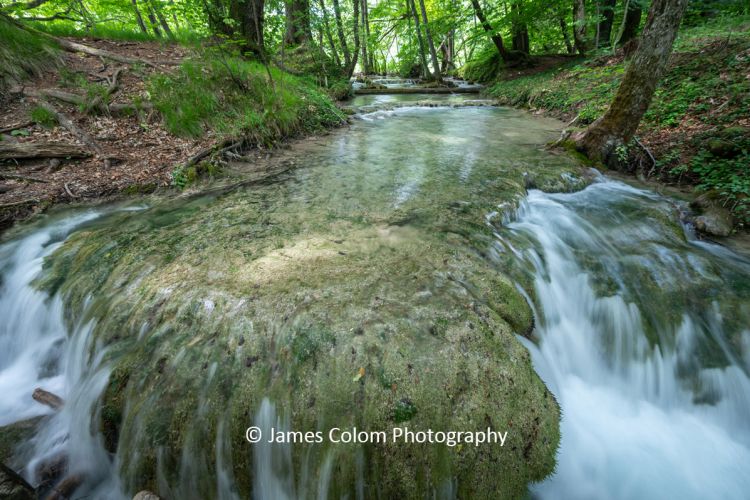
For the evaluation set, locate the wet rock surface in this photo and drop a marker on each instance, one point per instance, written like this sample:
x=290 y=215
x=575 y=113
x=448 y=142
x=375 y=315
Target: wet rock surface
x=354 y=291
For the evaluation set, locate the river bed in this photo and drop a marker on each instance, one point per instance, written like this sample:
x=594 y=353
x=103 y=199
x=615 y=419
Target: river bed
x=392 y=277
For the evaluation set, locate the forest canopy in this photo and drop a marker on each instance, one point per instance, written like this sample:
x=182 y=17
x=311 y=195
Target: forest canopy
x=403 y=37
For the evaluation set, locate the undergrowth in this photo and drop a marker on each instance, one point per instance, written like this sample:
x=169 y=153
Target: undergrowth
x=698 y=125
x=23 y=53
x=115 y=32
x=233 y=97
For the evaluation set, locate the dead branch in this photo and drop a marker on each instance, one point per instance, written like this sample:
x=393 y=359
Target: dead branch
x=48 y=399
x=21 y=177
x=82 y=135
x=31 y=150
x=93 y=51
x=98 y=101
x=67 y=190
x=30 y=201
x=79 y=100
x=218 y=149
x=5 y=130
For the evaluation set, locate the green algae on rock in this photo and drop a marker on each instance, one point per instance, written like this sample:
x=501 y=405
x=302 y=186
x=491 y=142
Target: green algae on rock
x=356 y=291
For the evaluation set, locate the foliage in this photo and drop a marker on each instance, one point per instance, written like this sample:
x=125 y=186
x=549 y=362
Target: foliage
x=233 y=97
x=43 y=117
x=484 y=67
x=702 y=96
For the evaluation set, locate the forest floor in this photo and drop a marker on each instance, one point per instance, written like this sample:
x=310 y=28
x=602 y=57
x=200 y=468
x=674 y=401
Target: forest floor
x=154 y=122
x=143 y=153
x=697 y=131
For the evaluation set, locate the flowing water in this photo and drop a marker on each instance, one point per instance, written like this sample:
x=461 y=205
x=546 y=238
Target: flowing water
x=642 y=332
x=643 y=337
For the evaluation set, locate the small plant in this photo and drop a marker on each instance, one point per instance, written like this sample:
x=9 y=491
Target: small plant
x=43 y=117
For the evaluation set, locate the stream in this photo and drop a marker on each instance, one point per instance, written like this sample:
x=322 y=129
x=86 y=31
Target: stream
x=415 y=223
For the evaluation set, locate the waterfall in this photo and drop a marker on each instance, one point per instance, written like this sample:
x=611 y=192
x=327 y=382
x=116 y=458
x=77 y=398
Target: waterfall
x=36 y=351
x=642 y=418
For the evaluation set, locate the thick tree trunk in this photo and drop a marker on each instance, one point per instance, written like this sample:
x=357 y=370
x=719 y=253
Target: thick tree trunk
x=520 y=39
x=579 y=25
x=342 y=37
x=630 y=23
x=430 y=43
x=604 y=30
x=139 y=17
x=355 y=27
x=249 y=16
x=566 y=36
x=619 y=123
x=297 y=22
x=495 y=37
x=417 y=26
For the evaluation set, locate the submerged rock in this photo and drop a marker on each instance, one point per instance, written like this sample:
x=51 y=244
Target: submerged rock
x=715 y=220
x=343 y=307
x=13 y=486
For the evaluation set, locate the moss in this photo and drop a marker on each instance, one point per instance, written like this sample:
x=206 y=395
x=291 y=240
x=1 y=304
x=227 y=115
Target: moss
x=345 y=311
x=14 y=435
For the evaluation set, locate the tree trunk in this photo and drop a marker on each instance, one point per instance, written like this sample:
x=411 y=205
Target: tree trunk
x=355 y=26
x=249 y=16
x=152 y=20
x=446 y=51
x=342 y=37
x=607 y=13
x=162 y=20
x=430 y=43
x=495 y=37
x=329 y=36
x=619 y=123
x=365 y=40
x=297 y=22
x=139 y=17
x=566 y=37
x=579 y=25
x=520 y=39
x=630 y=23
x=422 y=54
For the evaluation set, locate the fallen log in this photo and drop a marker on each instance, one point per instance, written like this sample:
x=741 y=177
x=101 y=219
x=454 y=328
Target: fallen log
x=30 y=150
x=48 y=399
x=93 y=51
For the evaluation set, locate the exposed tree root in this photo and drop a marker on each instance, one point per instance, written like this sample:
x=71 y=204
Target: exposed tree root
x=82 y=135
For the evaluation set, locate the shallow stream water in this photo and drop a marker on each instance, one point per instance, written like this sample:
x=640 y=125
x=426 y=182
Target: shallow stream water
x=642 y=332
